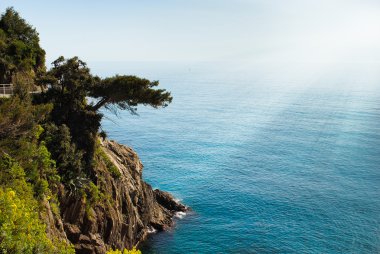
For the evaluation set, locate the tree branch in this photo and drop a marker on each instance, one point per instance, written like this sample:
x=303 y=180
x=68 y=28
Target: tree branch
x=99 y=104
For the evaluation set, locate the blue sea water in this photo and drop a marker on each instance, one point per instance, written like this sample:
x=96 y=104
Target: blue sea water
x=272 y=158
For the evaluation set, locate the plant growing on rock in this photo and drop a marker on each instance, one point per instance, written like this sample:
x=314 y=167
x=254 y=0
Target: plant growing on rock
x=125 y=251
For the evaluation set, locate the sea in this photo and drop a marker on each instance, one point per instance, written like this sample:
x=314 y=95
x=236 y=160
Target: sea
x=270 y=157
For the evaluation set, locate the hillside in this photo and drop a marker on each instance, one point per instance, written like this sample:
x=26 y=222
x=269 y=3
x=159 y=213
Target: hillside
x=64 y=187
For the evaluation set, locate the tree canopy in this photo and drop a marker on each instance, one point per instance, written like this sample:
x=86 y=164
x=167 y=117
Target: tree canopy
x=126 y=92
x=19 y=47
x=70 y=83
x=71 y=77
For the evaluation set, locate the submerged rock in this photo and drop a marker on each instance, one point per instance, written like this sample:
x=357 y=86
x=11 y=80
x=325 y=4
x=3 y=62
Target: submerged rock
x=127 y=211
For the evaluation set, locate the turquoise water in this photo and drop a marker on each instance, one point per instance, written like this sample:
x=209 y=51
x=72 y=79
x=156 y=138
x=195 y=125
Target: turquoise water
x=272 y=159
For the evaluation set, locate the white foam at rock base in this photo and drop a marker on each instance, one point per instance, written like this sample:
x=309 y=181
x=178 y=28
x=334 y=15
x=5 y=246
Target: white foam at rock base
x=151 y=230
x=180 y=215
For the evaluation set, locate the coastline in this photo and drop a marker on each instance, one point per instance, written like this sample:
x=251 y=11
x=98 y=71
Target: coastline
x=128 y=213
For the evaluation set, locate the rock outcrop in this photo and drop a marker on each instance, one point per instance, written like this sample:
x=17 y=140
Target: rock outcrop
x=126 y=210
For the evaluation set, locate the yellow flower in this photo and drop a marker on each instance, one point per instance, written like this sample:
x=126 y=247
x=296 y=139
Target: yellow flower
x=11 y=194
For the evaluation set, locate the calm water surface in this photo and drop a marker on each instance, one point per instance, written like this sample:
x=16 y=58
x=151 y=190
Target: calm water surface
x=274 y=159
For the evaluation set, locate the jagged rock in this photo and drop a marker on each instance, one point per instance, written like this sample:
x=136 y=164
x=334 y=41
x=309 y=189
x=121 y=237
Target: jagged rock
x=168 y=201
x=128 y=210
x=53 y=222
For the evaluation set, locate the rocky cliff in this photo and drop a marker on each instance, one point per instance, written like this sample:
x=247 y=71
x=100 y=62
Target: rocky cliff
x=126 y=209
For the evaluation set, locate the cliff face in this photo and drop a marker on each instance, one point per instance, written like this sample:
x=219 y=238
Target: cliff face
x=127 y=210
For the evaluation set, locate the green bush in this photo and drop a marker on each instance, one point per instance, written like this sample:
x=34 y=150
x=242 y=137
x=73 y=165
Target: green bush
x=102 y=156
x=63 y=151
x=21 y=231
x=34 y=157
x=20 y=51
x=92 y=192
x=12 y=176
x=41 y=188
x=133 y=251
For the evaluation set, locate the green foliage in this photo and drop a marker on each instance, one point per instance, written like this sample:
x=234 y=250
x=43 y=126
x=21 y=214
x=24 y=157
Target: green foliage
x=112 y=168
x=19 y=117
x=61 y=247
x=54 y=205
x=92 y=193
x=23 y=84
x=36 y=160
x=63 y=151
x=17 y=28
x=20 y=140
x=133 y=251
x=102 y=156
x=19 y=47
x=126 y=92
x=35 y=183
x=21 y=231
x=12 y=175
x=93 y=196
x=41 y=188
x=70 y=82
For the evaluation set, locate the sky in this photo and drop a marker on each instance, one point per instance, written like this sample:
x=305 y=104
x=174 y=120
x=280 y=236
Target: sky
x=206 y=30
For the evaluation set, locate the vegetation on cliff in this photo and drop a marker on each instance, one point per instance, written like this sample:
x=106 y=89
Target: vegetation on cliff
x=133 y=251
x=49 y=141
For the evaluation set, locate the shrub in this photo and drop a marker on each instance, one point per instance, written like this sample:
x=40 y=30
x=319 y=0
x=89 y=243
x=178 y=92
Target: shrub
x=12 y=175
x=101 y=155
x=92 y=192
x=21 y=231
x=133 y=251
x=41 y=188
x=63 y=151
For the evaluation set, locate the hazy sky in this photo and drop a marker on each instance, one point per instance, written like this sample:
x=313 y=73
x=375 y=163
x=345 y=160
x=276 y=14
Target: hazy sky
x=206 y=30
